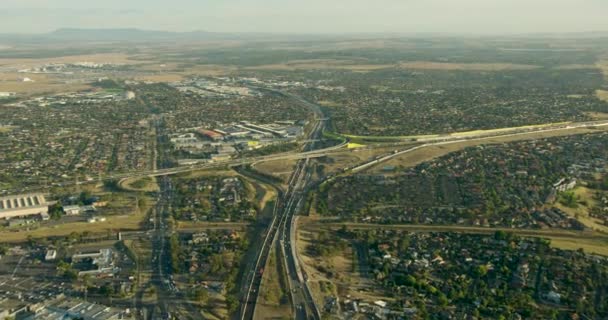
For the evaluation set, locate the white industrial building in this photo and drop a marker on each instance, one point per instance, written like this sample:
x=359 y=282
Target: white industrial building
x=23 y=205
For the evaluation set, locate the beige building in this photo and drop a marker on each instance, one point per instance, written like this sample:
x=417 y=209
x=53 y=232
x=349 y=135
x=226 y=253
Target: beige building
x=23 y=205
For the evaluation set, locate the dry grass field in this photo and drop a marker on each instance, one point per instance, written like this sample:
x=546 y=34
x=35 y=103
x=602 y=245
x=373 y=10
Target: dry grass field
x=365 y=67
x=116 y=223
x=146 y=184
x=175 y=72
x=427 y=65
x=602 y=64
x=4 y=129
x=13 y=82
x=207 y=173
x=270 y=304
x=281 y=169
x=602 y=95
x=115 y=58
x=575 y=67
x=346 y=278
x=582 y=212
x=295 y=65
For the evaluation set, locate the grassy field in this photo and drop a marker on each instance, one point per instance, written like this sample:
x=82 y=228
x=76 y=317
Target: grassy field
x=273 y=301
x=575 y=67
x=113 y=224
x=116 y=58
x=599 y=246
x=362 y=66
x=428 y=65
x=207 y=173
x=345 y=277
x=327 y=103
x=12 y=82
x=602 y=95
x=270 y=194
x=581 y=213
x=281 y=169
x=145 y=184
x=5 y=129
x=313 y=64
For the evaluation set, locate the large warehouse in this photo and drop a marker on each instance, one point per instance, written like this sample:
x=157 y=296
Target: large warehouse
x=23 y=205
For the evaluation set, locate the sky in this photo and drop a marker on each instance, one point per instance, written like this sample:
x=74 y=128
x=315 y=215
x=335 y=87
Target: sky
x=309 y=16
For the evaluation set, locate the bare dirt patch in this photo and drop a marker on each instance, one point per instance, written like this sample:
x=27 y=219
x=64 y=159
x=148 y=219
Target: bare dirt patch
x=602 y=95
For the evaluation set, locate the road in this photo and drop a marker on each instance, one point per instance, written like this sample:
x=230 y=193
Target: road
x=308 y=153
x=283 y=228
x=332 y=224
x=169 y=299
x=280 y=229
x=288 y=204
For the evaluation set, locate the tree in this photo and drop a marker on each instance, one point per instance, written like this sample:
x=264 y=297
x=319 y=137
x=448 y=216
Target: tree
x=481 y=271
x=201 y=295
x=569 y=199
x=55 y=211
x=442 y=300
x=106 y=290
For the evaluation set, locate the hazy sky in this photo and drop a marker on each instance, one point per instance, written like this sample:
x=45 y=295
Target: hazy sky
x=309 y=16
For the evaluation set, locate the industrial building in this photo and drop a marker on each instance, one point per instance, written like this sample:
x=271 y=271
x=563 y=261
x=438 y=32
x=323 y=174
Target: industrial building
x=215 y=136
x=23 y=205
x=63 y=307
x=96 y=262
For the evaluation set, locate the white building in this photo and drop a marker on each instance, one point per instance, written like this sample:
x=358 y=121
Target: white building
x=129 y=95
x=50 y=255
x=71 y=210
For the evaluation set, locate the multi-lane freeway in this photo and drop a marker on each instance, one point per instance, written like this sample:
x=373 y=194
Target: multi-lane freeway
x=280 y=229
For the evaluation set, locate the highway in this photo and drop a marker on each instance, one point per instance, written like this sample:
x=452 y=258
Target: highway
x=283 y=225
x=457 y=139
x=309 y=153
x=280 y=230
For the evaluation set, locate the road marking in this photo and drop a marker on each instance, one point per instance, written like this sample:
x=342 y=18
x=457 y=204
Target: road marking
x=17 y=267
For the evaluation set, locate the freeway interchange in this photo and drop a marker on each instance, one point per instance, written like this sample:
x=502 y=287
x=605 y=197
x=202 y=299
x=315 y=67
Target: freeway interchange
x=281 y=229
x=280 y=234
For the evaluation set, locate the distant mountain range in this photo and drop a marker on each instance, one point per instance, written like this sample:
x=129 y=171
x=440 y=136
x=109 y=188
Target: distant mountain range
x=130 y=35
x=133 y=35
x=138 y=35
